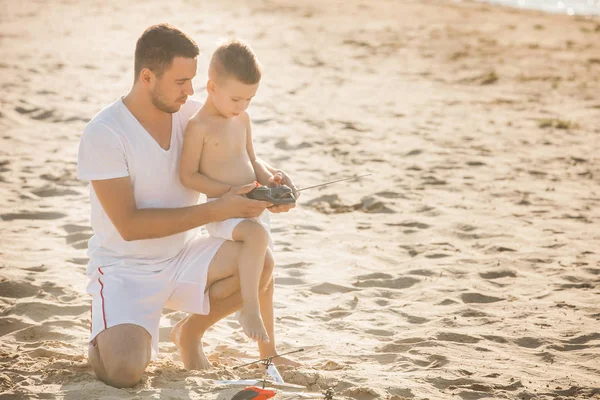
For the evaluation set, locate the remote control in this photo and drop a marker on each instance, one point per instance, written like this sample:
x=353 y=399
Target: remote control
x=274 y=195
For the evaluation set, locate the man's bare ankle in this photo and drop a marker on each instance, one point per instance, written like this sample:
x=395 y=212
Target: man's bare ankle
x=190 y=333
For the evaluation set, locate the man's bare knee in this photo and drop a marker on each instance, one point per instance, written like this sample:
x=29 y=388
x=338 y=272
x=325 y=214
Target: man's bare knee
x=126 y=373
x=120 y=354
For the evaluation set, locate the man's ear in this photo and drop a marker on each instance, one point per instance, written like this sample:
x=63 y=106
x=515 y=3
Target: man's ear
x=146 y=76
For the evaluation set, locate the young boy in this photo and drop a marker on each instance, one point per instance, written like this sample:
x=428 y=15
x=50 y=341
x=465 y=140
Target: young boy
x=218 y=155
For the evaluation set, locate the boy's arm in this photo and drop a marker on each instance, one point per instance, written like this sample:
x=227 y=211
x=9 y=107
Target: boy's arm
x=193 y=144
x=263 y=175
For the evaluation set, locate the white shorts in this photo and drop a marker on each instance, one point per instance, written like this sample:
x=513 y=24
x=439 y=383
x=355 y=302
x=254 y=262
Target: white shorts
x=126 y=295
x=224 y=229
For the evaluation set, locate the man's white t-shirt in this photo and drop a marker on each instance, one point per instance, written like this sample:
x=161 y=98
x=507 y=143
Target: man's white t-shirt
x=113 y=145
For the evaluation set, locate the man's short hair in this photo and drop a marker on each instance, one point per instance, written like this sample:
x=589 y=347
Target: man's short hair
x=236 y=59
x=159 y=45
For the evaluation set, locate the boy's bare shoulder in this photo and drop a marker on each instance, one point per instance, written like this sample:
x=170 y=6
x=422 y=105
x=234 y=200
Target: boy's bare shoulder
x=199 y=124
x=245 y=117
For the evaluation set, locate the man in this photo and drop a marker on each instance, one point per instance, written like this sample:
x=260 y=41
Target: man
x=144 y=254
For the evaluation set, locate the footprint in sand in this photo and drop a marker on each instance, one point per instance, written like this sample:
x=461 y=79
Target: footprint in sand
x=44 y=332
x=529 y=342
x=414 y=152
x=437 y=255
x=498 y=274
x=379 y=332
x=78 y=235
x=49 y=191
x=330 y=288
x=370 y=204
x=380 y=280
x=78 y=240
x=289 y=281
x=431 y=361
x=456 y=337
x=46 y=114
x=332 y=204
x=394 y=347
x=8 y=325
x=442 y=383
x=284 y=145
x=447 y=302
x=423 y=272
x=391 y=195
x=479 y=298
x=41 y=215
x=498 y=249
x=38 y=310
x=583 y=338
x=413 y=319
x=410 y=224
x=17 y=289
x=79 y=260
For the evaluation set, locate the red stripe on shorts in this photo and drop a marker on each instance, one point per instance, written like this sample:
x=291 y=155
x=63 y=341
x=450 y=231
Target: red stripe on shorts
x=102 y=296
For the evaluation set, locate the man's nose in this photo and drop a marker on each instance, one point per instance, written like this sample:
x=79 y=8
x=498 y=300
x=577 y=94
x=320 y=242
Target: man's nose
x=189 y=89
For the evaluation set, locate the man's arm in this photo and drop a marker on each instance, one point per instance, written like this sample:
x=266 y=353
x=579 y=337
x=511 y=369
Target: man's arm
x=191 y=153
x=118 y=201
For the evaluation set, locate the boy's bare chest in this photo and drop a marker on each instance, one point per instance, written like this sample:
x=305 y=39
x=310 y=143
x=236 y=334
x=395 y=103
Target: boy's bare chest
x=226 y=139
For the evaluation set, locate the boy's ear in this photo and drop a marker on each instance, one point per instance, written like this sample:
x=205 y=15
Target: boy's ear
x=210 y=86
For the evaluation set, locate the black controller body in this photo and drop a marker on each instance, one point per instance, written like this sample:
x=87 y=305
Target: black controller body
x=274 y=195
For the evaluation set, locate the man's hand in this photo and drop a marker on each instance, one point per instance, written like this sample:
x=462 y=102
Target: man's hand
x=235 y=205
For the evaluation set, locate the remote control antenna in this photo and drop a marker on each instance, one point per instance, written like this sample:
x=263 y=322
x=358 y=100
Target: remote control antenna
x=329 y=183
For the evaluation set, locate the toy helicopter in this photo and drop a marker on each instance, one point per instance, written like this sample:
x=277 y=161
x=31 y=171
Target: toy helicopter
x=261 y=393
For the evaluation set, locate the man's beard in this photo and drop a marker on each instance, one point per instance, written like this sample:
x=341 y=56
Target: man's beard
x=159 y=102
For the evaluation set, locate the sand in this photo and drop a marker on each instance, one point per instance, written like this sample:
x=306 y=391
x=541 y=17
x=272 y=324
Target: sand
x=466 y=266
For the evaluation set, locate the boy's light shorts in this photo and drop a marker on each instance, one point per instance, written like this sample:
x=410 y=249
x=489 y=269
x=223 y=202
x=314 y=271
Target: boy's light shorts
x=224 y=229
x=126 y=295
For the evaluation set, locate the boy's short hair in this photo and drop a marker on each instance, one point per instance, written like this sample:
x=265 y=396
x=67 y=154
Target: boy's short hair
x=159 y=45
x=236 y=59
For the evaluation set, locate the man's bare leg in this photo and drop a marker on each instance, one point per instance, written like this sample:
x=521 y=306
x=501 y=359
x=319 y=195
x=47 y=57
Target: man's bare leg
x=225 y=299
x=119 y=355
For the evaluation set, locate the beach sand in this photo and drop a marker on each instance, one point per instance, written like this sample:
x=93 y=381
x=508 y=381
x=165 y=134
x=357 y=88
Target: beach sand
x=467 y=266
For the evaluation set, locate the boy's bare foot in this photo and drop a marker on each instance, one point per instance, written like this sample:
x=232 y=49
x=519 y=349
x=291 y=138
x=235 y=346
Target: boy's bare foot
x=253 y=326
x=190 y=347
x=268 y=350
x=279 y=361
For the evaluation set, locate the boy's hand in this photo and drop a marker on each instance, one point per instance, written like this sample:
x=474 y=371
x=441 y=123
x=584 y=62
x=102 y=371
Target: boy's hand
x=235 y=205
x=281 y=178
x=275 y=180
